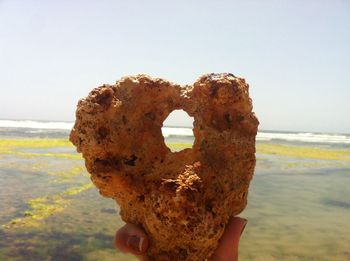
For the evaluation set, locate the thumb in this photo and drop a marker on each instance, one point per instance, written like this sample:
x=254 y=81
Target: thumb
x=131 y=239
x=228 y=245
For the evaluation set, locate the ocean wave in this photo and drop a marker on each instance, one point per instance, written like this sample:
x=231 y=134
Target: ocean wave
x=36 y=124
x=177 y=131
x=268 y=136
x=304 y=137
x=42 y=126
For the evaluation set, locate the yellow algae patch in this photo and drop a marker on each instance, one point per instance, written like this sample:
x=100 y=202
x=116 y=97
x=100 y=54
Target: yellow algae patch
x=291 y=151
x=35 y=143
x=43 y=207
x=55 y=155
x=179 y=146
x=77 y=190
x=12 y=146
x=304 y=152
x=291 y=165
x=6 y=150
x=39 y=209
x=68 y=175
x=63 y=175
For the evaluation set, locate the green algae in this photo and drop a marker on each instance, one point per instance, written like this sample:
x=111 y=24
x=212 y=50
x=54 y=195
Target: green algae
x=11 y=146
x=43 y=207
x=77 y=190
x=67 y=176
x=314 y=157
x=35 y=143
x=289 y=215
x=55 y=155
x=304 y=152
x=290 y=151
x=179 y=146
x=61 y=176
x=292 y=165
x=14 y=147
x=73 y=172
x=309 y=165
x=12 y=163
x=39 y=209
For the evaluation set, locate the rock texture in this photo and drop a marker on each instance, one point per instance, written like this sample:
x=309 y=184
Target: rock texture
x=183 y=200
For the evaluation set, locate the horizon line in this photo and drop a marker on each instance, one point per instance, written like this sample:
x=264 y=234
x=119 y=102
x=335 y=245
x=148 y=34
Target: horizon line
x=188 y=126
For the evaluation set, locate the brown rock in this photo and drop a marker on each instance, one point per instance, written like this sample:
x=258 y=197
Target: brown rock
x=183 y=200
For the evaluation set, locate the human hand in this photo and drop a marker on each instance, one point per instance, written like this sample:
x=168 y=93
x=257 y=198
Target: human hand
x=131 y=239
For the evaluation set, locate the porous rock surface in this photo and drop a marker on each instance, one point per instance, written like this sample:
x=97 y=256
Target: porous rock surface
x=183 y=200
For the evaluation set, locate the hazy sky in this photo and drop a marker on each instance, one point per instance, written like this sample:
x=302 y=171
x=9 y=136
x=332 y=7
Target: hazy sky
x=294 y=54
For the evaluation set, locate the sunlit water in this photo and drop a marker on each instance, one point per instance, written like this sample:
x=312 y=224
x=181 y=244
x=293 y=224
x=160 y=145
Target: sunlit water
x=299 y=209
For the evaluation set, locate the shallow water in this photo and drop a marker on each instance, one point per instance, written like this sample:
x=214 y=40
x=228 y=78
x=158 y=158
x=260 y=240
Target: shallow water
x=298 y=216
x=299 y=208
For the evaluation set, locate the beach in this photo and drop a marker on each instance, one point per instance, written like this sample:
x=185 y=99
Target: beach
x=298 y=204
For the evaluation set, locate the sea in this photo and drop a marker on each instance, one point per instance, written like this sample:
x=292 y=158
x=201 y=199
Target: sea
x=298 y=203
x=61 y=129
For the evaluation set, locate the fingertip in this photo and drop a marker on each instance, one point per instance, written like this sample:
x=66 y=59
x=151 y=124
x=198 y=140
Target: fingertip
x=131 y=239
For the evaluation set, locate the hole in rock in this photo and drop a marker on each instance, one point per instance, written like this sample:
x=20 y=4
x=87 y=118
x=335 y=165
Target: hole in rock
x=177 y=131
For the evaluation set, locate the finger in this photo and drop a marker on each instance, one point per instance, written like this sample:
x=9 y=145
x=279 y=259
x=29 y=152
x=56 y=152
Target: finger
x=131 y=239
x=228 y=245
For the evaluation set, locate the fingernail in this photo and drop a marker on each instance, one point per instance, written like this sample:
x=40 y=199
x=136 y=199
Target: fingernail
x=245 y=223
x=135 y=243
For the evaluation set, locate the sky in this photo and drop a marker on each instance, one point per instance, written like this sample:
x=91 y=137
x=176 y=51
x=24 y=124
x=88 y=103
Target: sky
x=295 y=55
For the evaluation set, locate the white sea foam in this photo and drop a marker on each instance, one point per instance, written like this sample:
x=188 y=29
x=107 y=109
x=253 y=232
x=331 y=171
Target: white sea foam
x=40 y=126
x=304 y=137
x=177 y=131
x=36 y=124
x=267 y=136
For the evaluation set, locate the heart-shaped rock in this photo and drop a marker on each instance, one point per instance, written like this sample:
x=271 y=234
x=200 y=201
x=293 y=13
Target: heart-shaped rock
x=183 y=200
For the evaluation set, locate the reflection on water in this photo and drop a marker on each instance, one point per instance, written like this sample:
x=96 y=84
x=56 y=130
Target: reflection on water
x=299 y=208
